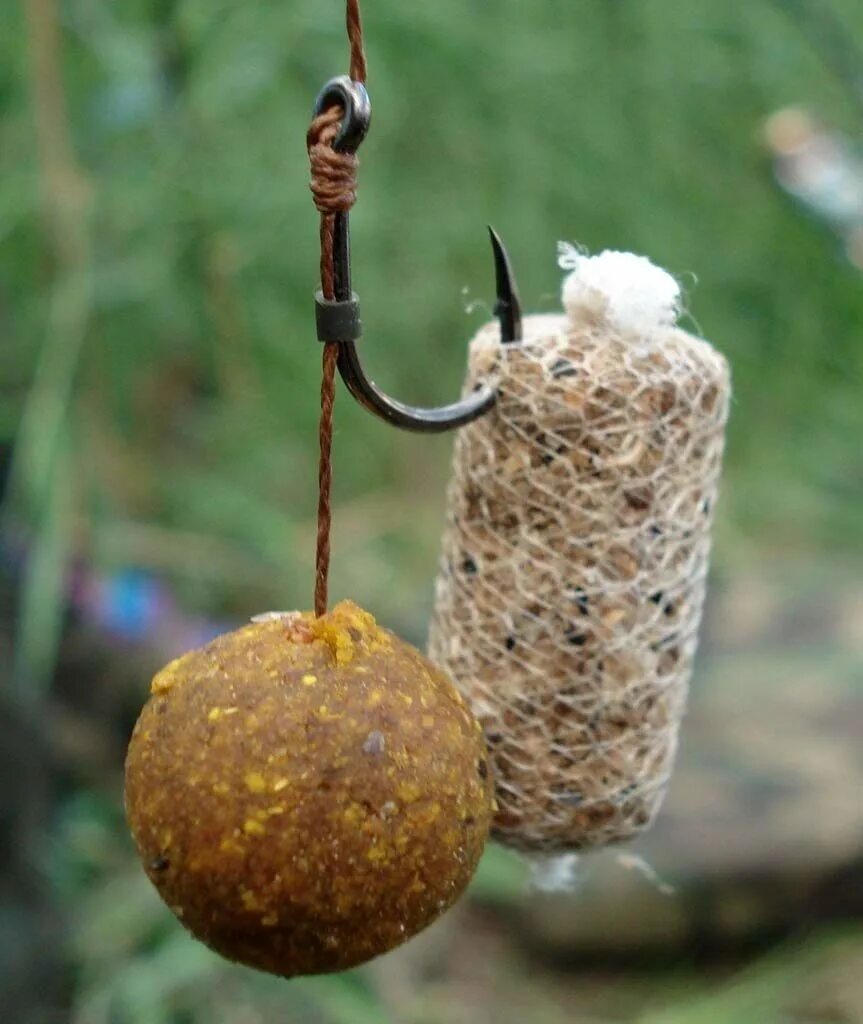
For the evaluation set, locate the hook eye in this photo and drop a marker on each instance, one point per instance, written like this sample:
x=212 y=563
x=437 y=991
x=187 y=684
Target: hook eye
x=352 y=96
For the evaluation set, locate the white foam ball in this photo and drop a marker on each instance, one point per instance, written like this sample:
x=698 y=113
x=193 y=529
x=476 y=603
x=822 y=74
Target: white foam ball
x=633 y=294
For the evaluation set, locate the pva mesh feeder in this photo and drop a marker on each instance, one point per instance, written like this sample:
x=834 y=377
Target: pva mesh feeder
x=576 y=552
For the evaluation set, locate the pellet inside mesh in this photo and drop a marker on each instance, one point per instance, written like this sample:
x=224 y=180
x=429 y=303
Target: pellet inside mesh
x=573 y=569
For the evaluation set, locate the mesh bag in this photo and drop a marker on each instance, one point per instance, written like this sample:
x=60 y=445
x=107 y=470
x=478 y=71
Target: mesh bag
x=574 y=561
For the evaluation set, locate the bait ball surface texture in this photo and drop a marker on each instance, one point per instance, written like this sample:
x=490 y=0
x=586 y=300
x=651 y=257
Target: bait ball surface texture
x=307 y=793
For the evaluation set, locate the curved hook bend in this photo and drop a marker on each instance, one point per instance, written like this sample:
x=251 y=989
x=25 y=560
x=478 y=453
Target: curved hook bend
x=420 y=420
x=339 y=320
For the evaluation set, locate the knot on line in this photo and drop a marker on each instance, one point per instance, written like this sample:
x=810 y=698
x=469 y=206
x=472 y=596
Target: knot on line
x=334 y=175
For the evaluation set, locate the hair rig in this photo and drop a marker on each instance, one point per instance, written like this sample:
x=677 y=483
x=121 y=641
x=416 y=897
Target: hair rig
x=338 y=319
x=309 y=791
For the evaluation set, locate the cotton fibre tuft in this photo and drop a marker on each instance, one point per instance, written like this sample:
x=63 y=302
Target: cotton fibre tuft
x=575 y=555
x=634 y=294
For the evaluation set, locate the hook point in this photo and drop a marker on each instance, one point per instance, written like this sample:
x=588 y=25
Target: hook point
x=507 y=308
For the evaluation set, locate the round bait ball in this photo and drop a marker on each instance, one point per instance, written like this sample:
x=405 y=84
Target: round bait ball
x=307 y=793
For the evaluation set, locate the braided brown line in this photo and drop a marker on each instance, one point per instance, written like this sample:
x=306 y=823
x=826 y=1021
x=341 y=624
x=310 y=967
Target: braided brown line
x=359 y=69
x=325 y=477
x=334 y=187
x=334 y=175
x=325 y=430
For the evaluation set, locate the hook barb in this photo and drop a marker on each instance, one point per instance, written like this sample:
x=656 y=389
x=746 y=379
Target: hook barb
x=507 y=308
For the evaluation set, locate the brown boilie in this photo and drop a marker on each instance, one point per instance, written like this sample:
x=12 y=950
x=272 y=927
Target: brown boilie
x=307 y=793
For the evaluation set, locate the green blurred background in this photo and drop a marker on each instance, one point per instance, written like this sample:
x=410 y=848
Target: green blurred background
x=159 y=376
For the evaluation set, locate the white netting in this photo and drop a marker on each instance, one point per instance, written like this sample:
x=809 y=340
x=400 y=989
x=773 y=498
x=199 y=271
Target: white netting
x=575 y=556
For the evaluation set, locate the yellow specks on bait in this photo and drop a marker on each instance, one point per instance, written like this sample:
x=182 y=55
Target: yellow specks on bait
x=217 y=713
x=255 y=782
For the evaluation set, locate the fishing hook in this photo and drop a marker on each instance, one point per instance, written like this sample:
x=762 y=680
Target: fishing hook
x=339 y=320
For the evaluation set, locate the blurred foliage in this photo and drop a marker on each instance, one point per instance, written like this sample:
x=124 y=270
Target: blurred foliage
x=159 y=372
x=137 y=966
x=810 y=979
